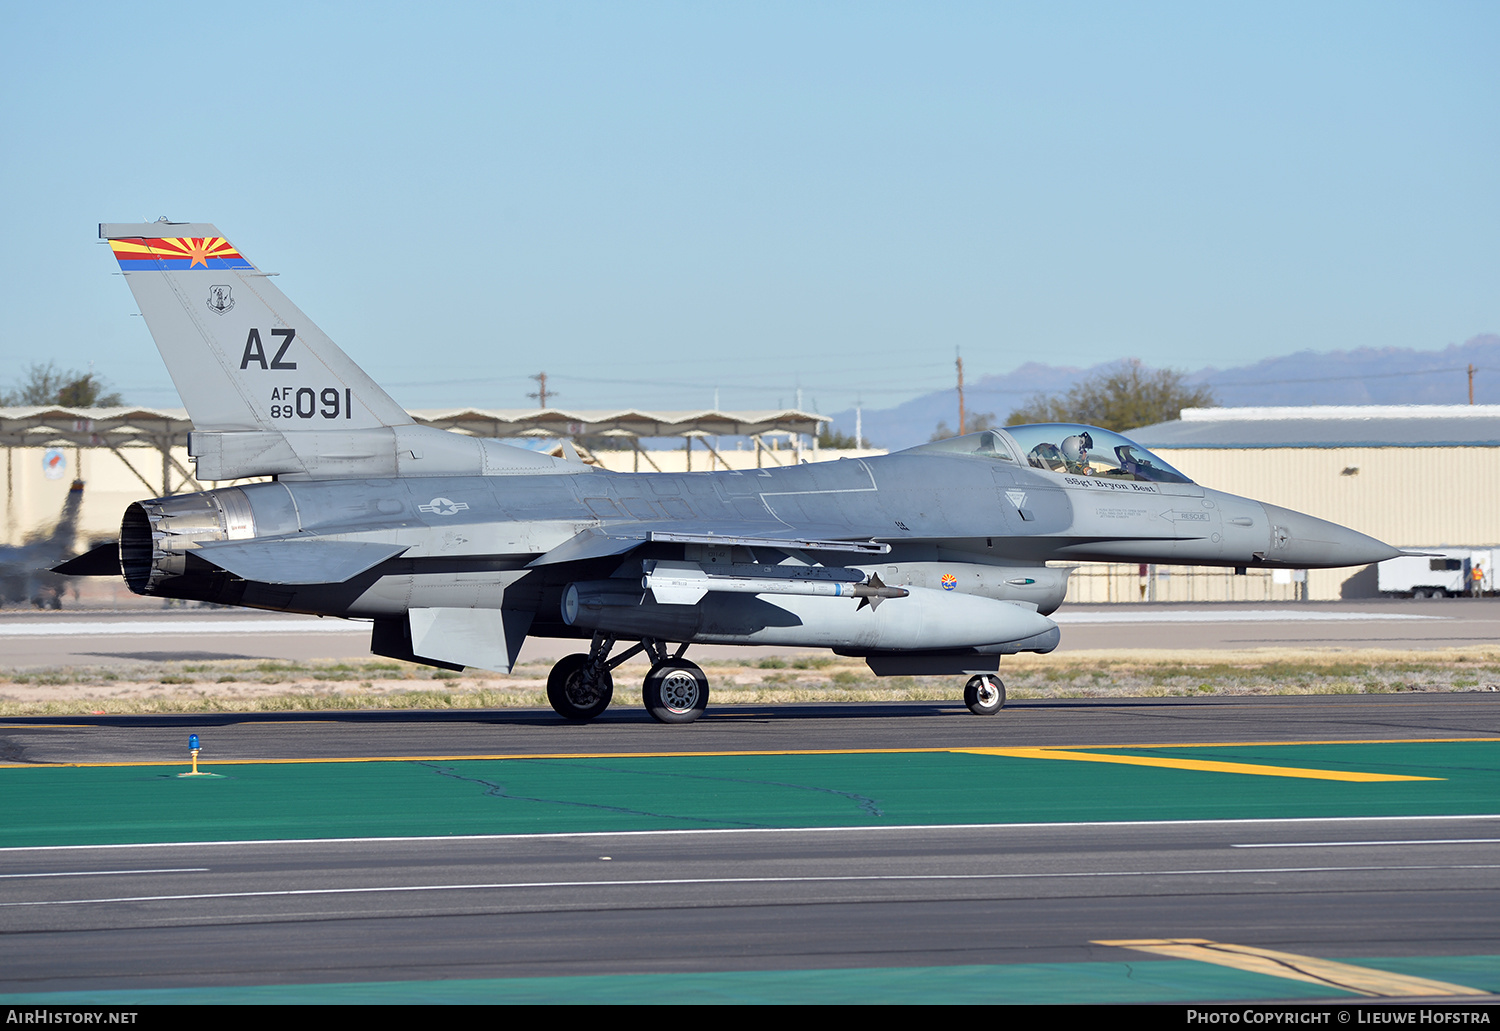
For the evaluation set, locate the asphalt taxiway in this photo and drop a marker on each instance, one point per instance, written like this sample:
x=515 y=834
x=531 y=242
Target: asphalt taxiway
x=823 y=852
x=868 y=904
x=859 y=726
x=1242 y=848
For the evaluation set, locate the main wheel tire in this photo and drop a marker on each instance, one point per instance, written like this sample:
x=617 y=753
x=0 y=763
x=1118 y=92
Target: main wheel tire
x=984 y=694
x=573 y=697
x=675 y=691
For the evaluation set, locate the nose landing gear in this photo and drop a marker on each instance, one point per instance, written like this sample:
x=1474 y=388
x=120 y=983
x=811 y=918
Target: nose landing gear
x=984 y=694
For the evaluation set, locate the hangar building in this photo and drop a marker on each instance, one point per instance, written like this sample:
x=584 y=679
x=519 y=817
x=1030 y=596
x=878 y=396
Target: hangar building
x=126 y=454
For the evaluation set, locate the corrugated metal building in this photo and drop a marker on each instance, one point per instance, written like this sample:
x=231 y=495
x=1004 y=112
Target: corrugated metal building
x=1413 y=476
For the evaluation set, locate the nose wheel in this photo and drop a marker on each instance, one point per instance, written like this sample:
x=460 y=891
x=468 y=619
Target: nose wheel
x=984 y=694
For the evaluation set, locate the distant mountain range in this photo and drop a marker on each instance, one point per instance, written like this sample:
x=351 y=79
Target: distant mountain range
x=1393 y=376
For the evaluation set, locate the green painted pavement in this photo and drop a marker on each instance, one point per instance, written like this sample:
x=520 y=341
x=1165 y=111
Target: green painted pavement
x=115 y=804
x=1148 y=981
x=1162 y=981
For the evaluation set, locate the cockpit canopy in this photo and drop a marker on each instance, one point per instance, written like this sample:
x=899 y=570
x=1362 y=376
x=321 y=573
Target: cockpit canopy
x=1065 y=448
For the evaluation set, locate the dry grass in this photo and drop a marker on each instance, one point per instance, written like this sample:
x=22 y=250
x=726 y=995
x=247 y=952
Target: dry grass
x=249 y=686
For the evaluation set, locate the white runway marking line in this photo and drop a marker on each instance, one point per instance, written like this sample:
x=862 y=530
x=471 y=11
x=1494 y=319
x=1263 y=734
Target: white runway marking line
x=1239 y=616
x=102 y=873
x=679 y=832
x=191 y=626
x=681 y=881
x=1357 y=844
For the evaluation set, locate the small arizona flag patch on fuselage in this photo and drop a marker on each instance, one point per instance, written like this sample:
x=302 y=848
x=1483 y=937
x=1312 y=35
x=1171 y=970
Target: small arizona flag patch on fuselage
x=182 y=252
x=949 y=581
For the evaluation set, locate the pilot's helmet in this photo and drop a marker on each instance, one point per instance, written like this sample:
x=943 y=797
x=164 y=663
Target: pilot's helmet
x=1076 y=448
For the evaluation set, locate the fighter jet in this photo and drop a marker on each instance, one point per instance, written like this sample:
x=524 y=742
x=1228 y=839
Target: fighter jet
x=24 y=568
x=455 y=548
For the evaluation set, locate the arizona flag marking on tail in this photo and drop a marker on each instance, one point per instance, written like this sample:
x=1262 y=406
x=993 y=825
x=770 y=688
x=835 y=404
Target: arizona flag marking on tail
x=179 y=252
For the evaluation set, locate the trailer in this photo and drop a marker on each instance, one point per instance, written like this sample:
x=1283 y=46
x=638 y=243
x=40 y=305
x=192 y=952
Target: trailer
x=1438 y=573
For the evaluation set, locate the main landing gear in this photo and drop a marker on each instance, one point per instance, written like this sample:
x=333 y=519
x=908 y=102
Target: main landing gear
x=580 y=687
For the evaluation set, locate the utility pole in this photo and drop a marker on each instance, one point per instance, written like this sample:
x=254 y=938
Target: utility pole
x=1472 y=370
x=960 y=364
x=541 y=393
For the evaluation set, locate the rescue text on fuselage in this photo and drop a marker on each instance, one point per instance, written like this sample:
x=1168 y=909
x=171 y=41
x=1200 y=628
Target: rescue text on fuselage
x=927 y=561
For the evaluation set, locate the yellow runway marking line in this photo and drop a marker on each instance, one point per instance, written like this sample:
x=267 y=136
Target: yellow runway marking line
x=1280 y=744
x=1205 y=765
x=1289 y=965
x=505 y=757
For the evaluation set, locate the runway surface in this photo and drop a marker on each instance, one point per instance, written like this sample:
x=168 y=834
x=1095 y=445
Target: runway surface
x=93 y=638
x=791 y=853
x=627 y=728
x=875 y=902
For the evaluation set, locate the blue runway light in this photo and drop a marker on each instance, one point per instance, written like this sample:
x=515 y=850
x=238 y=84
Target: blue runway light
x=193 y=749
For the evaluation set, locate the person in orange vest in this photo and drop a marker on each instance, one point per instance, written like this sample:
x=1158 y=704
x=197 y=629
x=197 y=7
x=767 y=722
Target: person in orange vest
x=1476 y=580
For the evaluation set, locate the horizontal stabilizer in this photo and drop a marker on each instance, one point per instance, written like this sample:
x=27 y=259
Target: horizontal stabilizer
x=297 y=560
x=101 y=561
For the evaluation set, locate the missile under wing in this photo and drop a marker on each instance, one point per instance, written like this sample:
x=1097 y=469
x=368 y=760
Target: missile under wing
x=455 y=548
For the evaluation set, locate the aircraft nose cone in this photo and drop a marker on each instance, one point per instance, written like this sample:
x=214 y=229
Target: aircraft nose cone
x=1304 y=542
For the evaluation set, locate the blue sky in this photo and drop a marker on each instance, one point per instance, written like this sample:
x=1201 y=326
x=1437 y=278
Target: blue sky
x=652 y=201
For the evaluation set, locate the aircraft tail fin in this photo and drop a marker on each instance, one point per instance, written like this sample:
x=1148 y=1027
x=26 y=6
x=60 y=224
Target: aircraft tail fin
x=269 y=394
x=67 y=523
x=243 y=357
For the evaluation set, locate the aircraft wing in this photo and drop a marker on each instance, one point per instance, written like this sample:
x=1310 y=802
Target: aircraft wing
x=597 y=543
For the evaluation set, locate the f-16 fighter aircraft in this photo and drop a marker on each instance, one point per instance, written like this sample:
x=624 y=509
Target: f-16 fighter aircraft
x=24 y=568
x=928 y=561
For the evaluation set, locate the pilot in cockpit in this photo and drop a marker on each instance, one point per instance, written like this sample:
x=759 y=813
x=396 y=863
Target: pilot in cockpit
x=1075 y=452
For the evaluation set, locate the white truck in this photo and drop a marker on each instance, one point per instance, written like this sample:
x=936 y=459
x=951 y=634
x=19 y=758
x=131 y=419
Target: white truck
x=1441 y=573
